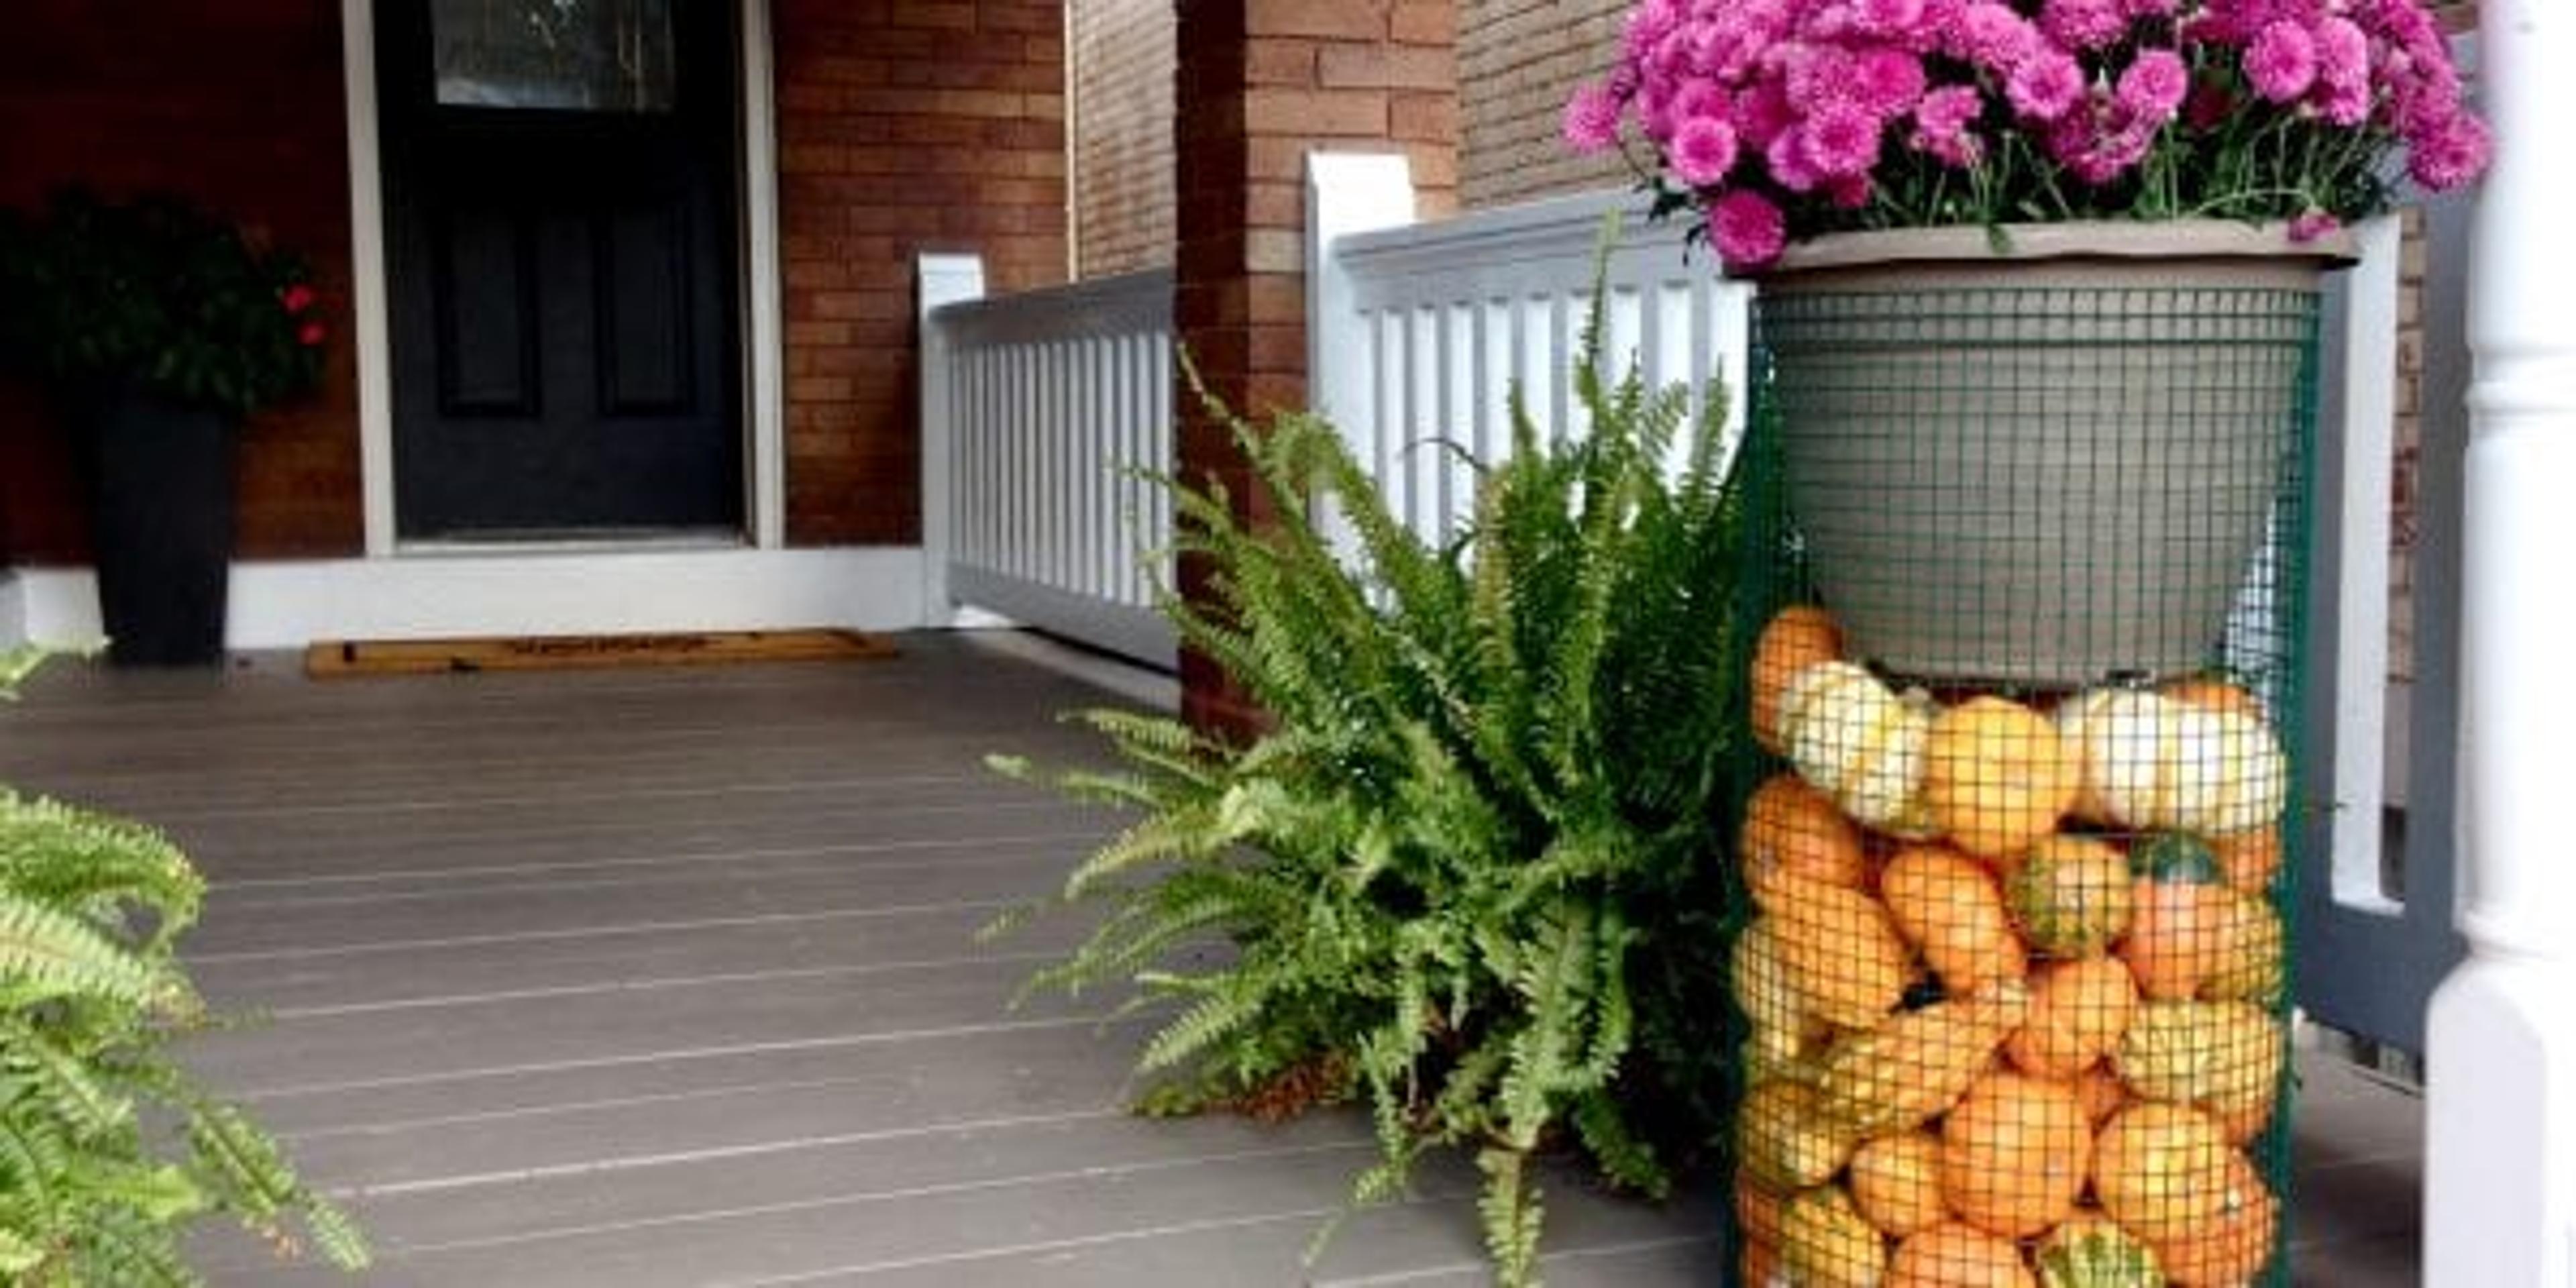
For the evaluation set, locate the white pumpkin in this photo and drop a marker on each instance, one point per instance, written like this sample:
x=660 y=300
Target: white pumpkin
x=2150 y=762
x=1861 y=743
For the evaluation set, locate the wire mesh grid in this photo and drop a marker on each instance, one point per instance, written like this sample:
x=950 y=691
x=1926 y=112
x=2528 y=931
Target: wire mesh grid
x=2025 y=660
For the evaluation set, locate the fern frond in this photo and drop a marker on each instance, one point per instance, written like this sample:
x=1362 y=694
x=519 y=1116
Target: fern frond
x=1509 y=1207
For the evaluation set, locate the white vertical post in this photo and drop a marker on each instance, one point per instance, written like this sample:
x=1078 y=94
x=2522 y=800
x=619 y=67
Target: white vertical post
x=2366 y=398
x=2500 y=1176
x=945 y=279
x=1347 y=192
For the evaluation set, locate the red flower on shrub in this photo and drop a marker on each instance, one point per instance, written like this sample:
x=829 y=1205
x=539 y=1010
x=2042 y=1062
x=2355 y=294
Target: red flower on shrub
x=297 y=298
x=310 y=335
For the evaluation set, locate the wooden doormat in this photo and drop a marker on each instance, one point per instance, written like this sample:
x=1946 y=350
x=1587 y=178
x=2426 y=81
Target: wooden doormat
x=333 y=659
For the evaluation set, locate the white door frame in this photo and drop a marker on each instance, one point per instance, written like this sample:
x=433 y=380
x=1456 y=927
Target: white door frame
x=764 y=402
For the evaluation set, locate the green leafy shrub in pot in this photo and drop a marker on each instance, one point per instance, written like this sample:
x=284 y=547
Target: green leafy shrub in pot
x=1470 y=875
x=108 y=1151
x=158 y=293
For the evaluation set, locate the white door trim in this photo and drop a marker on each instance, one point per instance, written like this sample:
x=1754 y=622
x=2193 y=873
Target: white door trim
x=763 y=326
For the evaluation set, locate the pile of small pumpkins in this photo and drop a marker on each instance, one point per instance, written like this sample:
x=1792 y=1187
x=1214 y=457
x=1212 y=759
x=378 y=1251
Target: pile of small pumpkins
x=2013 y=982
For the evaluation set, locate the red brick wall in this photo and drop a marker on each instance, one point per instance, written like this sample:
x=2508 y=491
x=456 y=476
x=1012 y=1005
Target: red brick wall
x=1518 y=60
x=238 y=105
x=1123 y=60
x=1262 y=83
x=904 y=126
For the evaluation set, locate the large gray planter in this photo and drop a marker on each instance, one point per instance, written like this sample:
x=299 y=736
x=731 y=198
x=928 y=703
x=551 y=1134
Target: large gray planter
x=2048 y=465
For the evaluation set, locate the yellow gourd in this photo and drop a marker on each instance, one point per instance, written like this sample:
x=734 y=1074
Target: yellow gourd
x=1958 y=1256
x=1786 y=1142
x=2070 y=895
x=2229 y=1247
x=1896 y=1181
x=1761 y=1265
x=1914 y=1067
x=2162 y=1170
x=1826 y=1243
x=2179 y=936
x=1757 y=1210
x=2249 y=859
x=2014 y=1154
x=1996 y=776
x=1791 y=827
x=1839 y=950
x=1947 y=905
x=1861 y=744
x=2103 y=1094
x=1782 y=1028
x=1799 y=637
x=2225 y=1057
x=2078 y=1011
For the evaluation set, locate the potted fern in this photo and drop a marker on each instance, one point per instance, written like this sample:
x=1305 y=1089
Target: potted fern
x=1470 y=877
x=2034 y=266
x=156 y=327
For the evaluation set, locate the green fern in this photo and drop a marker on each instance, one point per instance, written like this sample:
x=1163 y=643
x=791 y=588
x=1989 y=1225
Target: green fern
x=94 y=1190
x=1473 y=859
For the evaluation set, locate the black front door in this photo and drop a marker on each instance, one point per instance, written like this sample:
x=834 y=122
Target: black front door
x=560 y=238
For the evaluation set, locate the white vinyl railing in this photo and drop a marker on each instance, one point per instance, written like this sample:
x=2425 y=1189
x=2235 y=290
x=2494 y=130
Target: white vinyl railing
x=1419 y=334
x=1041 y=411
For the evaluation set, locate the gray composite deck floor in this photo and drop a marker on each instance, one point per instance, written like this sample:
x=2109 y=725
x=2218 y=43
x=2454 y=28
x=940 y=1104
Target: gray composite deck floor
x=667 y=977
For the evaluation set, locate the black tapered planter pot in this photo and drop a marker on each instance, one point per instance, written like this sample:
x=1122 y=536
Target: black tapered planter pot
x=161 y=523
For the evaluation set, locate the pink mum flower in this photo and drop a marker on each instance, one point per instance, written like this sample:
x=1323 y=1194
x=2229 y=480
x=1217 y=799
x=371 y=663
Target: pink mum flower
x=2451 y=157
x=1762 y=114
x=2045 y=87
x=2281 y=62
x=1886 y=80
x=1992 y=36
x=2312 y=225
x=1748 y=229
x=1786 y=157
x=1888 y=18
x=2083 y=24
x=2151 y=89
x=1941 y=124
x=1703 y=150
x=1840 y=139
x=1592 y=120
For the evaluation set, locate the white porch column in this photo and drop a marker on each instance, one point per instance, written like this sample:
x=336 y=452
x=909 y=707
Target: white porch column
x=2500 y=1179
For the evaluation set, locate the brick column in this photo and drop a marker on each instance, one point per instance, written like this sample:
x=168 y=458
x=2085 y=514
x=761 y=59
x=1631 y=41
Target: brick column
x=1260 y=84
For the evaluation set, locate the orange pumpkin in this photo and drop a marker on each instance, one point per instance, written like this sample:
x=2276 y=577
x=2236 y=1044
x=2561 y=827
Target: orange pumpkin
x=2078 y=1010
x=1997 y=776
x=2231 y=1246
x=1761 y=1265
x=1791 y=827
x=2014 y=1154
x=2249 y=859
x=2163 y=1170
x=1800 y=637
x=1757 y=1210
x=1952 y=1255
x=1896 y=1180
x=2102 y=1093
x=2180 y=933
x=1947 y=904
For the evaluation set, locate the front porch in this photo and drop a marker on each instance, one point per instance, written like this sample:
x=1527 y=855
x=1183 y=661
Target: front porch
x=667 y=977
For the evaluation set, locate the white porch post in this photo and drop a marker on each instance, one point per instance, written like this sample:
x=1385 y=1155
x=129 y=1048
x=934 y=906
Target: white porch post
x=944 y=280
x=2500 y=1177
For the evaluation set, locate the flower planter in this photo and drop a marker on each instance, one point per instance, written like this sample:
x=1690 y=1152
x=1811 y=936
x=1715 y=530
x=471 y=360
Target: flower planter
x=161 y=523
x=2047 y=465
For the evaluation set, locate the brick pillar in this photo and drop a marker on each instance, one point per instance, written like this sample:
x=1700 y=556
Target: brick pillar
x=1260 y=84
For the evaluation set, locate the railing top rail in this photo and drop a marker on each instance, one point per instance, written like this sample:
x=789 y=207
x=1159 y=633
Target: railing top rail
x=1100 y=306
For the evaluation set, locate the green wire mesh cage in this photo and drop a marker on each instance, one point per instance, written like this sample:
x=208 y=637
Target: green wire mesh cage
x=2011 y=984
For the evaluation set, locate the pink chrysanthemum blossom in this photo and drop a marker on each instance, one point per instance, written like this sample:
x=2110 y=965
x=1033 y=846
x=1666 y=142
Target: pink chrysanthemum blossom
x=1786 y=158
x=2082 y=24
x=1702 y=151
x=1748 y=230
x=1648 y=24
x=1848 y=192
x=1992 y=36
x=2136 y=9
x=2046 y=86
x=2449 y=158
x=1840 y=140
x=1762 y=114
x=1886 y=81
x=2152 y=87
x=1816 y=75
x=1888 y=19
x=1592 y=120
x=2281 y=62
x=1941 y=122
x=2314 y=225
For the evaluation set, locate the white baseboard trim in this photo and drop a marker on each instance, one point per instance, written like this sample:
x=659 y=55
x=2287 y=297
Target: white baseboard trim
x=288 y=604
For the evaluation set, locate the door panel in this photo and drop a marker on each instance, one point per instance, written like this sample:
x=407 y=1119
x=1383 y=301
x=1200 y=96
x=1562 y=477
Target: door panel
x=561 y=239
